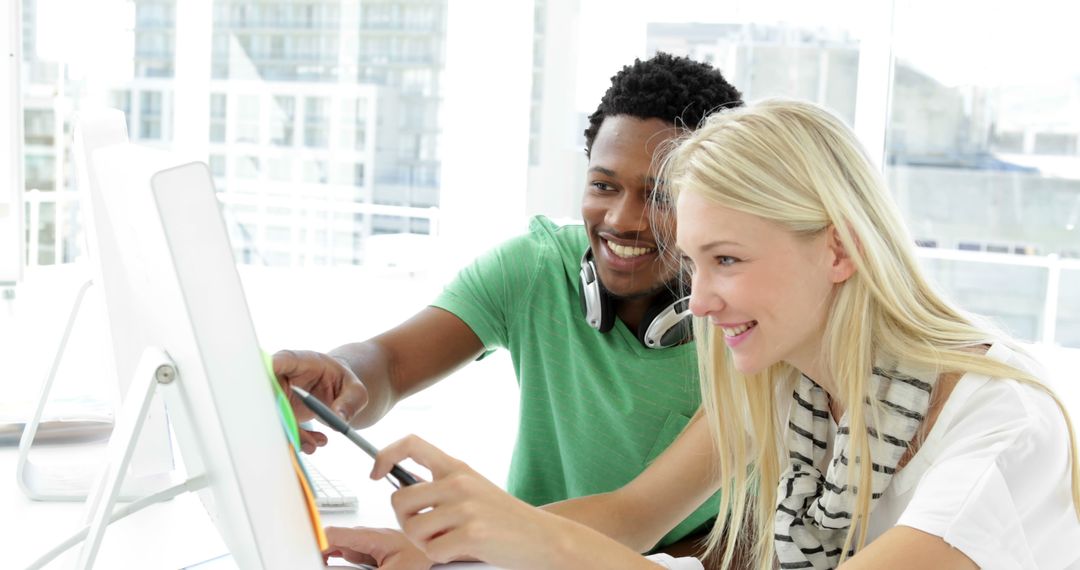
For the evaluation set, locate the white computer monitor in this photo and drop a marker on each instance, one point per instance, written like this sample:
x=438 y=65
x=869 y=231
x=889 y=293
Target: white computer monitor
x=185 y=297
x=122 y=338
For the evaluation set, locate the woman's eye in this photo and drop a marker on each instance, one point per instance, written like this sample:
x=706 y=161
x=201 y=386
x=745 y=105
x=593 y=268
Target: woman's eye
x=726 y=260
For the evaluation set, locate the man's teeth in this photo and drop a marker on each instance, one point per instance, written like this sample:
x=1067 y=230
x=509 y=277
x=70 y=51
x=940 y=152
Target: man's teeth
x=627 y=252
x=739 y=329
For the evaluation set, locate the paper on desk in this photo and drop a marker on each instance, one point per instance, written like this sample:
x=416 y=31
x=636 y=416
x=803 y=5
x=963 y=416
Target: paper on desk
x=68 y=420
x=61 y=409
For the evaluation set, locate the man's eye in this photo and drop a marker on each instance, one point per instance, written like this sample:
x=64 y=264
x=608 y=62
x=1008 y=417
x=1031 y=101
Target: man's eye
x=602 y=186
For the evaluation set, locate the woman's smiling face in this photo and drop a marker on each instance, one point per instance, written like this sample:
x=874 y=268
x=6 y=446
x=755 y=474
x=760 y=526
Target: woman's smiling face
x=767 y=289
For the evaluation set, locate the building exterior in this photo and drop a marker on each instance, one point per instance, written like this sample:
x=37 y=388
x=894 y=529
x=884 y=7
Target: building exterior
x=323 y=117
x=819 y=65
x=557 y=161
x=987 y=178
x=323 y=120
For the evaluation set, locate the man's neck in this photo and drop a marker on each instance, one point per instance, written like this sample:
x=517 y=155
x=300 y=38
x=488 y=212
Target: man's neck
x=631 y=311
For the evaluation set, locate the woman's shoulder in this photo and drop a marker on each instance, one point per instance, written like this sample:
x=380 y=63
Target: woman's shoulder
x=993 y=478
x=1001 y=413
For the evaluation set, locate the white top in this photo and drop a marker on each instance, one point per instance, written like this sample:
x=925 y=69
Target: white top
x=992 y=478
x=685 y=563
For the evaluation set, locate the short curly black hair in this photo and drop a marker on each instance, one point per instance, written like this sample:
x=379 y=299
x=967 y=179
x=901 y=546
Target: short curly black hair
x=672 y=88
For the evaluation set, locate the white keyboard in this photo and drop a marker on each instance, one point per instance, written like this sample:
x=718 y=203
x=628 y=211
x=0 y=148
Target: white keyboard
x=331 y=495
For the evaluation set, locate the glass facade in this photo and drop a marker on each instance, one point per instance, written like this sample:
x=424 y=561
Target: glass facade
x=764 y=60
x=987 y=176
x=301 y=95
x=323 y=121
x=986 y=163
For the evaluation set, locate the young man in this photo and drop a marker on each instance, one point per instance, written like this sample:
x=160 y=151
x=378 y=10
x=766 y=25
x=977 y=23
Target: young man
x=597 y=404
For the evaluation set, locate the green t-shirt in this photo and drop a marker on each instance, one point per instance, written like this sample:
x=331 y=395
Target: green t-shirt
x=596 y=408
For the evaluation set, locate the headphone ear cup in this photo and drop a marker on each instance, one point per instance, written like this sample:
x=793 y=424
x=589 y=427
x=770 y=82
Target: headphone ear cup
x=646 y=320
x=676 y=331
x=661 y=302
x=597 y=305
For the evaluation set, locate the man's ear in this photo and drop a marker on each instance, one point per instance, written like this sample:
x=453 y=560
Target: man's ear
x=841 y=267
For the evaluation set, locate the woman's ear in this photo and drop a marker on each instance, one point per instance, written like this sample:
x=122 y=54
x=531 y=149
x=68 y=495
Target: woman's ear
x=841 y=267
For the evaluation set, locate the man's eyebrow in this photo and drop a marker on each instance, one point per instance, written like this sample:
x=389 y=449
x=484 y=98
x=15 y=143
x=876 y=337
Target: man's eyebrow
x=602 y=170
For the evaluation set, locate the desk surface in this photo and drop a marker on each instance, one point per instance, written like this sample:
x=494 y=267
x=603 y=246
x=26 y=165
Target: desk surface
x=172 y=534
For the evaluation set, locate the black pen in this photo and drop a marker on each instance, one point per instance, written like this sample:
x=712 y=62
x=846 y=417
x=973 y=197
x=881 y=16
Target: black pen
x=327 y=415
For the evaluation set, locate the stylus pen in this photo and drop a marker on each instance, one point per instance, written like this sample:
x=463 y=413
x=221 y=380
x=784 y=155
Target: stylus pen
x=327 y=415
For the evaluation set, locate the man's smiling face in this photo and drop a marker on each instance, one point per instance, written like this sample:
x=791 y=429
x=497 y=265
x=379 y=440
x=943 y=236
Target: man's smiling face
x=617 y=206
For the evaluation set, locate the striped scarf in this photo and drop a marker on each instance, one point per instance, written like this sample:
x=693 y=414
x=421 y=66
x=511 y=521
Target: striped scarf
x=814 y=510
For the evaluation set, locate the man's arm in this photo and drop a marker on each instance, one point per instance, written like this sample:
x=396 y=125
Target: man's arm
x=362 y=381
x=407 y=359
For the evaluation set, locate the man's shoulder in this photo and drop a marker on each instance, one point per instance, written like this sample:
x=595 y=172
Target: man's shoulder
x=567 y=240
x=568 y=231
x=546 y=251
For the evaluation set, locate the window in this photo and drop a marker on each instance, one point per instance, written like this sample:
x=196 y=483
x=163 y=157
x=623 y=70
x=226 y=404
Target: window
x=282 y=120
x=38 y=127
x=280 y=169
x=38 y=171
x=248 y=119
x=150 y=122
x=217 y=117
x=246 y=167
x=992 y=134
x=981 y=152
x=316 y=122
x=217 y=165
x=315 y=171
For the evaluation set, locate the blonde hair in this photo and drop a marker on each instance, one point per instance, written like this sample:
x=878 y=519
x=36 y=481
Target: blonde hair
x=797 y=165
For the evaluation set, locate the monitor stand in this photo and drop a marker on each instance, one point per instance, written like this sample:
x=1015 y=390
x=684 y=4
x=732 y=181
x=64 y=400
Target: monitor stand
x=69 y=482
x=154 y=368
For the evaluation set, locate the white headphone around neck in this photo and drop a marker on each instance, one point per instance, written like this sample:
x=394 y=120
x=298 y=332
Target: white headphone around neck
x=665 y=323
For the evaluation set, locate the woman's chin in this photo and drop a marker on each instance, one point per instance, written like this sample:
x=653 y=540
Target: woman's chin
x=747 y=366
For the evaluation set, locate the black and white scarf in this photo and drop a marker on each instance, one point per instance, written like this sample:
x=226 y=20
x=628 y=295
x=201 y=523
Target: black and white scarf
x=814 y=510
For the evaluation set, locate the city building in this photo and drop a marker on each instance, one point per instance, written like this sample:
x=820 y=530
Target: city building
x=983 y=174
x=323 y=123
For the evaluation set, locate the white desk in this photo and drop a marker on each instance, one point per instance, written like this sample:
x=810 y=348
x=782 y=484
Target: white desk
x=172 y=534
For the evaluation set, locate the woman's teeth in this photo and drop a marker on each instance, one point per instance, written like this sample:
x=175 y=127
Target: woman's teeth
x=736 y=331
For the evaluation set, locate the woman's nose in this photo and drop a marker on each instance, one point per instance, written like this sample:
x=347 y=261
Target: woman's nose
x=702 y=299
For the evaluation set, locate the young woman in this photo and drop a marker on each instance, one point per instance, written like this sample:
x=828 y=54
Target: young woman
x=856 y=417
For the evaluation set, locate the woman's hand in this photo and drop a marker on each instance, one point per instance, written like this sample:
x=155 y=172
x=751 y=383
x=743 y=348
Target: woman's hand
x=388 y=549
x=461 y=515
